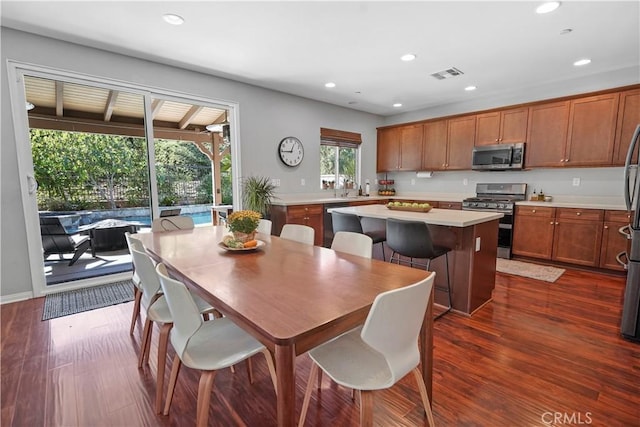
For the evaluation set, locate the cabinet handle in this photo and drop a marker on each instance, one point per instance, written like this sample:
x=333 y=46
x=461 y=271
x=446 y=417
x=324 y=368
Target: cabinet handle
x=566 y=160
x=533 y=211
x=551 y=223
x=497 y=140
x=606 y=227
x=556 y=223
x=578 y=213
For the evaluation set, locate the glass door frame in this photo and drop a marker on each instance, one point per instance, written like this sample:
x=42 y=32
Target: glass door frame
x=28 y=186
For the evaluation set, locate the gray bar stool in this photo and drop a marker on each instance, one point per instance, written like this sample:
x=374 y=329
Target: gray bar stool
x=412 y=239
x=353 y=223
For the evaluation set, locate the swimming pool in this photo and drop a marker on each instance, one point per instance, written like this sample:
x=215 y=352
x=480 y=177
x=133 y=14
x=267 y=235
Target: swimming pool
x=198 y=218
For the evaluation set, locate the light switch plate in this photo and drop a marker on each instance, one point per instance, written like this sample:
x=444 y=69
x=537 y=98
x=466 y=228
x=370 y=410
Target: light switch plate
x=275 y=182
x=303 y=182
x=576 y=182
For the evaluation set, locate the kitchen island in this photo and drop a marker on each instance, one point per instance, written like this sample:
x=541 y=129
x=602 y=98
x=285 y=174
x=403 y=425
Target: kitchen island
x=473 y=239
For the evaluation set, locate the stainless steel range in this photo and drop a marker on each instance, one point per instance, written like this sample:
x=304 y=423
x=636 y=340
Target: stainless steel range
x=498 y=198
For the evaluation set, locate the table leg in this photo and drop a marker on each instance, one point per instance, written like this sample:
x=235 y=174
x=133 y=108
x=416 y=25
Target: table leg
x=426 y=347
x=286 y=398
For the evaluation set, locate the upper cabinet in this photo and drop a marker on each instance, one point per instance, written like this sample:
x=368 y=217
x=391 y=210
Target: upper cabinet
x=502 y=127
x=460 y=141
x=399 y=148
x=628 y=119
x=592 y=127
x=592 y=130
x=547 y=134
x=434 y=152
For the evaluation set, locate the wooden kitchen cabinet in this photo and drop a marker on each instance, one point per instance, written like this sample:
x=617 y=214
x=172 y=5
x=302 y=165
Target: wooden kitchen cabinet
x=400 y=148
x=310 y=215
x=460 y=141
x=434 y=148
x=578 y=236
x=547 y=134
x=628 y=119
x=502 y=127
x=612 y=241
x=591 y=135
x=533 y=231
x=450 y=205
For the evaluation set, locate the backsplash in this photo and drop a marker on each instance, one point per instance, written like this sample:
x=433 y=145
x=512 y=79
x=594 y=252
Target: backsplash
x=592 y=182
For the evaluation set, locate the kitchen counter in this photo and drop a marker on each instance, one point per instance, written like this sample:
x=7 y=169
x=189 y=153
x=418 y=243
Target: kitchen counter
x=591 y=203
x=310 y=199
x=445 y=217
x=473 y=239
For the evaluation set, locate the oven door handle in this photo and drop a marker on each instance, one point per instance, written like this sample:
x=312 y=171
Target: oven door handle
x=621 y=262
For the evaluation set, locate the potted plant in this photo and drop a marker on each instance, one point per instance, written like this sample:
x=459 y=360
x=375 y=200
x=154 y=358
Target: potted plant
x=243 y=224
x=257 y=193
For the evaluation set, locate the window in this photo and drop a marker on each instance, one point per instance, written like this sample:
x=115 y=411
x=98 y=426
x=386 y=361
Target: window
x=339 y=155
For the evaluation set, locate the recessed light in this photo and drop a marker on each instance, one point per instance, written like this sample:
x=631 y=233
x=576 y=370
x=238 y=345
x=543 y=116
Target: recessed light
x=582 y=62
x=173 y=19
x=408 y=57
x=547 y=7
x=330 y=84
x=470 y=88
x=397 y=105
x=30 y=106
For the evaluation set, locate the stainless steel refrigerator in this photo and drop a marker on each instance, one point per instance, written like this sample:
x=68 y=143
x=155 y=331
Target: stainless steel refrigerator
x=630 y=325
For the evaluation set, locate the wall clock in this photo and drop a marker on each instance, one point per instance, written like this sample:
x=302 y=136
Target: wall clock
x=291 y=151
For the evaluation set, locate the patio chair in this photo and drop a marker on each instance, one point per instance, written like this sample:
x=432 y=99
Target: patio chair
x=58 y=239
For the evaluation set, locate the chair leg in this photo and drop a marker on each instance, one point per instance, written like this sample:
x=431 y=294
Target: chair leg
x=446 y=258
x=175 y=370
x=162 y=362
x=319 y=378
x=144 y=344
x=272 y=368
x=250 y=370
x=137 y=298
x=423 y=394
x=204 y=397
x=366 y=408
x=307 y=394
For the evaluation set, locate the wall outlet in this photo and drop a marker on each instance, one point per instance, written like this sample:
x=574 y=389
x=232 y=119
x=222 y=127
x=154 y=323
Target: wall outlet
x=303 y=182
x=275 y=182
x=576 y=182
x=465 y=181
x=413 y=181
x=477 y=244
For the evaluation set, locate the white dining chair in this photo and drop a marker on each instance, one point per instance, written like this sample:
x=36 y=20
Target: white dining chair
x=157 y=310
x=133 y=243
x=380 y=353
x=299 y=233
x=264 y=226
x=206 y=346
x=172 y=223
x=353 y=243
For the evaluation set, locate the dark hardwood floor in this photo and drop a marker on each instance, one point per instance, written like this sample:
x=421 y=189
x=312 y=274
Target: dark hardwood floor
x=539 y=354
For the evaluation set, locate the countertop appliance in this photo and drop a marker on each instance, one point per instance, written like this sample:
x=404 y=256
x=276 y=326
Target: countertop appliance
x=498 y=198
x=498 y=157
x=630 y=324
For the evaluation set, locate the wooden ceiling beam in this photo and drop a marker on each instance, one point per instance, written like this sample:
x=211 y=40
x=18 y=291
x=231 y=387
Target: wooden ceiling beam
x=188 y=117
x=156 y=104
x=59 y=98
x=112 y=128
x=111 y=103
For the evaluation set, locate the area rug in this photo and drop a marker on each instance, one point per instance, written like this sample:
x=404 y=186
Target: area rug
x=526 y=269
x=79 y=300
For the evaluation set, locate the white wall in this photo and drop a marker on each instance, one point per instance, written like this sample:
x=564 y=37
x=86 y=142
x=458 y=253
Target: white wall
x=265 y=117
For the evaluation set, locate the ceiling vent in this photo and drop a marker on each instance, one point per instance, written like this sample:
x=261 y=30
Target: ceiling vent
x=447 y=74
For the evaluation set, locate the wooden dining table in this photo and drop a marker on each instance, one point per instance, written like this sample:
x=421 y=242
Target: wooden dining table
x=288 y=295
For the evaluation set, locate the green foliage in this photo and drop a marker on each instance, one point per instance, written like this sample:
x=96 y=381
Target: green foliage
x=257 y=193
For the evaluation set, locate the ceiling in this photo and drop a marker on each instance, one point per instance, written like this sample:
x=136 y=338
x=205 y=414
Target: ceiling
x=296 y=47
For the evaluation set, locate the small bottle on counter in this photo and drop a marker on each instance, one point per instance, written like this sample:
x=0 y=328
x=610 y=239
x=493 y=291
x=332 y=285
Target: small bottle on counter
x=360 y=191
x=534 y=196
x=541 y=196
x=366 y=187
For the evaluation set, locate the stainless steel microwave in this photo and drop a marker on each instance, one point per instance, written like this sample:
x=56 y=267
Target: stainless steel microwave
x=498 y=157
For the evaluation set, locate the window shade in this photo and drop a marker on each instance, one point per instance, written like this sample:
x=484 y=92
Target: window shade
x=340 y=138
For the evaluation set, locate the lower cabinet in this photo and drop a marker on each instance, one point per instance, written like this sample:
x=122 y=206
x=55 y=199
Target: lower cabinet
x=573 y=236
x=310 y=215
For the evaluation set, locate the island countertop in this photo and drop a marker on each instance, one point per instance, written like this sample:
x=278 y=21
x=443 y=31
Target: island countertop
x=446 y=217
